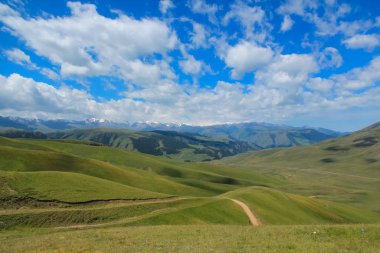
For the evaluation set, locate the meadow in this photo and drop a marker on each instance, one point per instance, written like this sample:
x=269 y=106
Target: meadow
x=65 y=196
x=197 y=238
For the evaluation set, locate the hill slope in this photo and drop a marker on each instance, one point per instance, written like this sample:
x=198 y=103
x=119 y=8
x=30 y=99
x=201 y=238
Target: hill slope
x=33 y=172
x=66 y=187
x=345 y=169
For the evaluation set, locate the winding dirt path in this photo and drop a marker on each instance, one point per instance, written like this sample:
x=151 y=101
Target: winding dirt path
x=254 y=221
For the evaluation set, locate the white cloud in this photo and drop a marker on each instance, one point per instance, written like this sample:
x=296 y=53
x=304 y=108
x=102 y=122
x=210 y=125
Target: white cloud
x=326 y=16
x=299 y=7
x=362 y=41
x=286 y=24
x=28 y=97
x=165 y=5
x=17 y=56
x=252 y=20
x=330 y=58
x=191 y=66
x=202 y=7
x=321 y=85
x=199 y=36
x=120 y=45
x=359 y=78
x=68 y=69
x=5 y=10
x=49 y=73
x=246 y=57
x=288 y=74
x=84 y=43
x=171 y=102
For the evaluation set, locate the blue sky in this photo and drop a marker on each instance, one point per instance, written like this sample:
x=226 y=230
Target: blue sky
x=200 y=62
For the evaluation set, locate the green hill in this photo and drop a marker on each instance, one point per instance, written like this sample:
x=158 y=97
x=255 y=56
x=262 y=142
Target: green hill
x=126 y=167
x=277 y=207
x=66 y=187
x=72 y=184
x=344 y=169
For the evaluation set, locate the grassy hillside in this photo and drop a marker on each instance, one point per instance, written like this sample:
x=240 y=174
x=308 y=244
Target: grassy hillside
x=76 y=171
x=277 y=207
x=132 y=168
x=66 y=187
x=53 y=186
x=344 y=169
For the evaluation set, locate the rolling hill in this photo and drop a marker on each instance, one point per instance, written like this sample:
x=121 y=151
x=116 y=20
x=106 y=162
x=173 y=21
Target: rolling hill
x=71 y=187
x=76 y=172
x=345 y=169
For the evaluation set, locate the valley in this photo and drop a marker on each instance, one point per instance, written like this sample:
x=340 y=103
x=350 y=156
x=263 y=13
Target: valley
x=64 y=186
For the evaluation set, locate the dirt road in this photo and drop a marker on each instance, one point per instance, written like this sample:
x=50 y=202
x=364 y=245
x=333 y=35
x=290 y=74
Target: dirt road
x=254 y=221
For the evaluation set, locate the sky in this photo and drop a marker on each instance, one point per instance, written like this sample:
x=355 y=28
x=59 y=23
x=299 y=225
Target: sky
x=199 y=62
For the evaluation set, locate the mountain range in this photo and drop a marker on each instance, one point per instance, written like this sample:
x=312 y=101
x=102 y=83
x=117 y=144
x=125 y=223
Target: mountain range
x=257 y=135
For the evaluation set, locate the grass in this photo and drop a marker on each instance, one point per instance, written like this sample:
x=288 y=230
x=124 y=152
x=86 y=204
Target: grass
x=198 y=238
x=67 y=187
x=280 y=208
x=102 y=214
x=343 y=170
x=19 y=159
x=129 y=168
x=217 y=211
x=74 y=172
x=44 y=183
x=189 y=211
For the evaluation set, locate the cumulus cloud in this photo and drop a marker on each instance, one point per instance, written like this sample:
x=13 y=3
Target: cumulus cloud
x=202 y=7
x=191 y=66
x=330 y=58
x=286 y=24
x=49 y=73
x=170 y=102
x=299 y=7
x=246 y=57
x=251 y=19
x=362 y=41
x=321 y=85
x=120 y=45
x=5 y=10
x=18 y=56
x=165 y=5
x=360 y=78
x=287 y=75
x=327 y=16
x=84 y=43
x=199 y=36
x=26 y=96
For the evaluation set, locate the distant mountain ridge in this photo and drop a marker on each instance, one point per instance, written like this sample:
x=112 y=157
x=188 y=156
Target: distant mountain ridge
x=180 y=146
x=257 y=135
